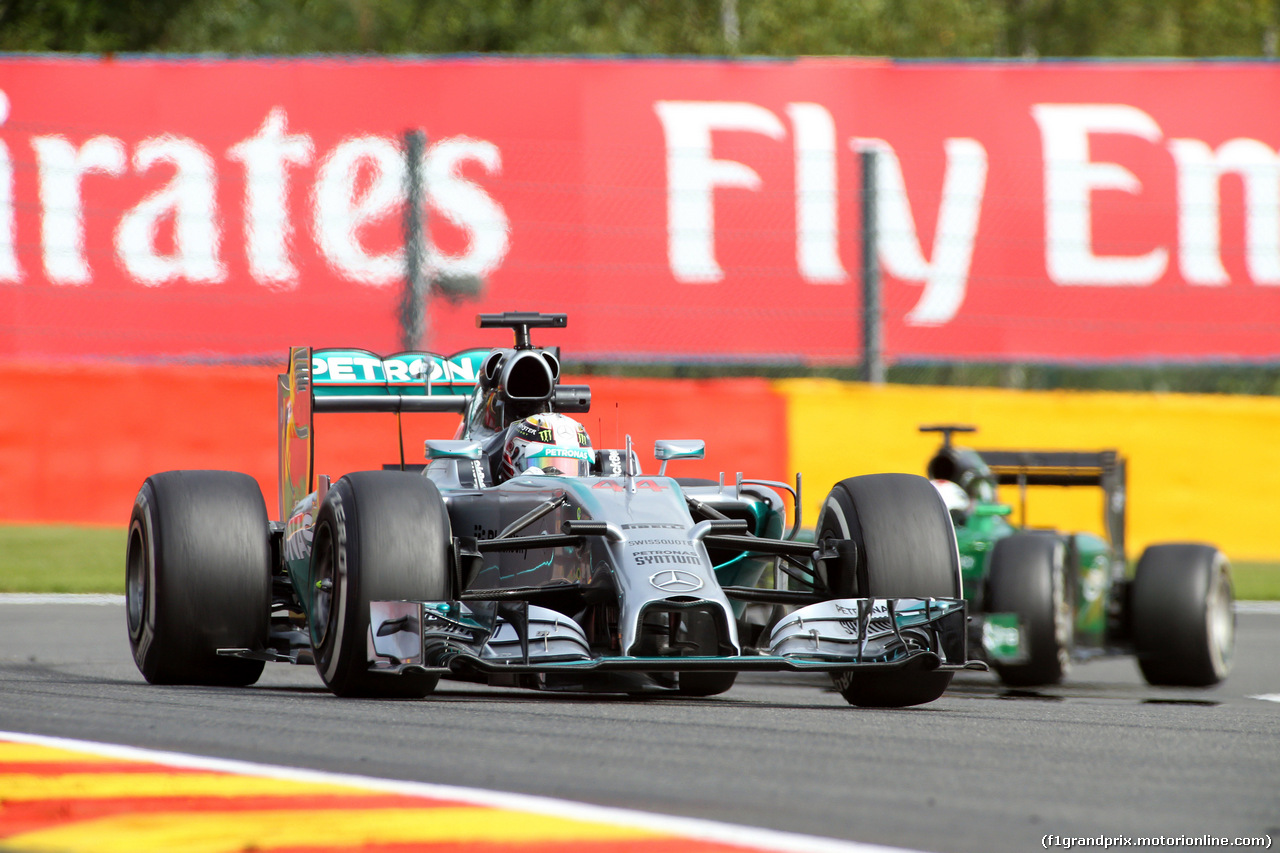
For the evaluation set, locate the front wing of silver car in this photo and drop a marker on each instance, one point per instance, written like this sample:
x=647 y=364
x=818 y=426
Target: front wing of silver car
x=516 y=637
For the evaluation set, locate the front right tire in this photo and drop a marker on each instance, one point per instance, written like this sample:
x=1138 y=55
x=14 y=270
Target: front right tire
x=379 y=536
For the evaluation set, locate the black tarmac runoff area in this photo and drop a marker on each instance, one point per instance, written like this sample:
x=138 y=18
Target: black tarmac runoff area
x=984 y=768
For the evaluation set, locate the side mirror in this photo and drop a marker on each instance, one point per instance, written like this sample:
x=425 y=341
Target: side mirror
x=667 y=449
x=992 y=509
x=451 y=449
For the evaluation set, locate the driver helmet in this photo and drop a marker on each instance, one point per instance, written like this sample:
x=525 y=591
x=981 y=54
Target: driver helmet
x=547 y=444
x=956 y=499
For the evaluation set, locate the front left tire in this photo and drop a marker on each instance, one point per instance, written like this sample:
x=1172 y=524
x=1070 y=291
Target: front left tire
x=905 y=548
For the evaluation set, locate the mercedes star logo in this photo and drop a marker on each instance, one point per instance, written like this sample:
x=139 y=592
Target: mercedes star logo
x=675 y=580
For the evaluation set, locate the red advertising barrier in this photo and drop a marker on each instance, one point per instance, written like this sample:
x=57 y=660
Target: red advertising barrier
x=676 y=209
x=77 y=441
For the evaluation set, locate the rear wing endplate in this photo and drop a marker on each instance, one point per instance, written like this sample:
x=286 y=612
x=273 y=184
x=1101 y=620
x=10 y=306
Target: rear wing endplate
x=356 y=380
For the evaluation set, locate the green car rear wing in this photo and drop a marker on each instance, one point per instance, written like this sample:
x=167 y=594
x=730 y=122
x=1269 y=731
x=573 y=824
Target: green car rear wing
x=1101 y=468
x=356 y=380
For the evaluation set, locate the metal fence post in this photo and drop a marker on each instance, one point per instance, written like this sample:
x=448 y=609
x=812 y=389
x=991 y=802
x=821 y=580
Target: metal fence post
x=873 y=369
x=413 y=307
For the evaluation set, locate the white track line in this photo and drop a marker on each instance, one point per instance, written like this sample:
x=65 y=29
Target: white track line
x=1269 y=608
x=59 y=598
x=692 y=828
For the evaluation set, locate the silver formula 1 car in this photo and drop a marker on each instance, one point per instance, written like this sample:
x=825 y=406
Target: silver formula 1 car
x=474 y=566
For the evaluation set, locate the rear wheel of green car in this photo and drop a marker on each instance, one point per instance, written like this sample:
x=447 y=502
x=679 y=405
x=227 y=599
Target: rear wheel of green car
x=905 y=547
x=1028 y=577
x=379 y=536
x=1183 y=615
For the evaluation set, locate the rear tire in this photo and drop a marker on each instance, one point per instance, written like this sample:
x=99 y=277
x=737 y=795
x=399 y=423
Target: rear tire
x=1028 y=577
x=1183 y=615
x=198 y=577
x=379 y=536
x=906 y=548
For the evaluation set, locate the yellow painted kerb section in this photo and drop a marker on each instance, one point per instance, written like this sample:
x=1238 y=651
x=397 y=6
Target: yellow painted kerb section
x=338 y=829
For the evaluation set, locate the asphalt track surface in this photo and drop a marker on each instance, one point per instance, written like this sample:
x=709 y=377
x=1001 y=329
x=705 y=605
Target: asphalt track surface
x=982 y=769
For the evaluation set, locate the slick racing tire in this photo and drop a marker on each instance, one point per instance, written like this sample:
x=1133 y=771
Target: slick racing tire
x=379 y=536
x=1029 y=577
x=905 y=547
x=198 y=577
x=1183 y=615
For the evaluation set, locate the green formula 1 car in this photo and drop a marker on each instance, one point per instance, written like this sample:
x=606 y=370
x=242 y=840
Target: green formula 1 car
x=1043 y=598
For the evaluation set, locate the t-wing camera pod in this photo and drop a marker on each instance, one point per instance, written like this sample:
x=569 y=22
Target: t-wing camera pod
x=522 y=322
x=526 y=379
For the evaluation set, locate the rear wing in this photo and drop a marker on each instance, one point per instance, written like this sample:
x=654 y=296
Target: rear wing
x=356 y=380
x=1105 y=469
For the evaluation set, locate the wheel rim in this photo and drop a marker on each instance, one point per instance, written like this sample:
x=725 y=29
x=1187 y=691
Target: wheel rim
x=323 y=576
x=136 y=580
x=1220 y=621
x=832 y=524
x=1063 y=623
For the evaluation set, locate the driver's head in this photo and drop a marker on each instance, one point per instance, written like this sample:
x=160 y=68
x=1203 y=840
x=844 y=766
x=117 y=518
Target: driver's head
x=957 y=500
x=550 y=443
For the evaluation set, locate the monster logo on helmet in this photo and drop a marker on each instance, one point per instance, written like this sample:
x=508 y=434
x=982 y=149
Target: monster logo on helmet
x=549 y=444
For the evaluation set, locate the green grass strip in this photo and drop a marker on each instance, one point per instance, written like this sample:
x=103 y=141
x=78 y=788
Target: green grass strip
x=1256 y=581
x=70 y=558
x=61 y=558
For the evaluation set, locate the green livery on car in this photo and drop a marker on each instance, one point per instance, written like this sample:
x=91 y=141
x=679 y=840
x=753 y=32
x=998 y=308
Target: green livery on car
x=1040 y=599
